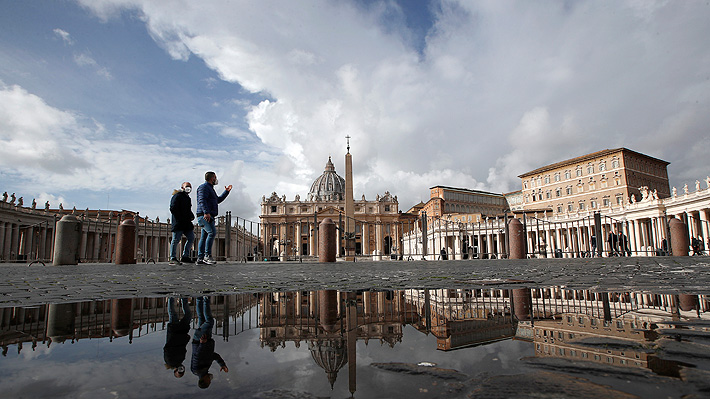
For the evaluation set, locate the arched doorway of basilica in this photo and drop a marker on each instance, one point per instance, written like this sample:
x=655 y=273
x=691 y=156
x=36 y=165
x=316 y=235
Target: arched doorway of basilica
x=388 y=245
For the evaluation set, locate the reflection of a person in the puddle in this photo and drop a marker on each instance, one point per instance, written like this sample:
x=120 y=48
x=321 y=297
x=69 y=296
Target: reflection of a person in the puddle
x=177 y=337
x=203 y=353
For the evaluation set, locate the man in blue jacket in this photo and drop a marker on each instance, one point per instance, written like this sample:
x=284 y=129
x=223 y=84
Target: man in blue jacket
x=207 y=201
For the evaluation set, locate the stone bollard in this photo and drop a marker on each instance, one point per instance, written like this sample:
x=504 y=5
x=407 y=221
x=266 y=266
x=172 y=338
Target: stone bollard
x=688 y=302
x=126 y=243
x=522 y=301
x=327 y=249
x=679 y=237
x=66 y=241
x=516 y=230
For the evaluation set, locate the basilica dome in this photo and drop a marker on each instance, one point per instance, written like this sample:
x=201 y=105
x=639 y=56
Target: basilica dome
x=328 y=186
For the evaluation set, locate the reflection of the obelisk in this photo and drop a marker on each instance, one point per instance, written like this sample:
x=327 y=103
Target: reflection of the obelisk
x=331 y=322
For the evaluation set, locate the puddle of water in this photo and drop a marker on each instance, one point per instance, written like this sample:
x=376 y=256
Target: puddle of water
x=327 y=344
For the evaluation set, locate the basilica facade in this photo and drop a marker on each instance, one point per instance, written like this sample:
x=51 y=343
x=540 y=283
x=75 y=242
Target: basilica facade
x=289 y=227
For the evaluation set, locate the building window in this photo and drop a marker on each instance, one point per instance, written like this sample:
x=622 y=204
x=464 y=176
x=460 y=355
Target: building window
x=569 y=190
x=606 y=202
x=580 y=187
x=557 y=177
x=614 y=163
x=590 y=169
x=568 y=175
x=387 y=208
x=548 y=194
x=619 y=199
x=602 y=166
x=579 y=171
x=570 y=207
x=273 y=208
x=525 y=185
x=558 y=192
x=593 y=204
x=547 y=179
x=581 y=206
x=559 y=209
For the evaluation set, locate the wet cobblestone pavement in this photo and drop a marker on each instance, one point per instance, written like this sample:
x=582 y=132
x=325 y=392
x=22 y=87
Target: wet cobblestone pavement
x=37 y=284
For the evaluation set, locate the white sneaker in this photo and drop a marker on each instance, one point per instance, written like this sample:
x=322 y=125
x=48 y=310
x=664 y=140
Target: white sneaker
x=209 y=261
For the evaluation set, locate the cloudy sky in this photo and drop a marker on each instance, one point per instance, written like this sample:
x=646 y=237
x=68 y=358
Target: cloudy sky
x=113 y=103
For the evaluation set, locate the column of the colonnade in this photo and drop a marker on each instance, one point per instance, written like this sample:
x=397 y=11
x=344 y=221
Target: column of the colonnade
x=396 y=241
x=642 y=237
x=84 y=239
x=379 y=244
x=366 y=239
x=635 y=238
x=97 y=245
x=490 y=244
x=338 y=241
x=30 y=243
x=15 y=239
x=41 y=237
x=2 y=239
x=704 y=227
x=299 y=240
x=548 y=241
x=657 y=233
x=312 y=239
x=7 y=247
x=690 y=224
x=500 y=243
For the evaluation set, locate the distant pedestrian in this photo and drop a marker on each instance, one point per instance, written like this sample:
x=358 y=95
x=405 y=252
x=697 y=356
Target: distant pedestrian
x=443 y=254
x=695 y=244
x=207 y=210
x=624 y=245
x=613 y=241
x=182 y=217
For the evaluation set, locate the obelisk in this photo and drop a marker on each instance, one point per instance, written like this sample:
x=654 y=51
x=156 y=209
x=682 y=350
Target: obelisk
x=349 y=207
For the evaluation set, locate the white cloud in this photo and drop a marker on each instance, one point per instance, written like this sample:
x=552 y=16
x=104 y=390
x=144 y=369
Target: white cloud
x=85 y=60
x=53 y=149
x=65 y=36
x=499 y=89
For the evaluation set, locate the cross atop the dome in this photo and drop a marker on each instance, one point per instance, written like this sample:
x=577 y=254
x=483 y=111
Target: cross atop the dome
x=348 y=137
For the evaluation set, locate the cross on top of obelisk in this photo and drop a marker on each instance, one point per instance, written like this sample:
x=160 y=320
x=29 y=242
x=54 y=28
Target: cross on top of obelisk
x=348 y=138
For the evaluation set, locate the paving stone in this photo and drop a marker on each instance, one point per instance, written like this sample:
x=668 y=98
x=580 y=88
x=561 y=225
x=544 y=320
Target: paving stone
x=42 y=284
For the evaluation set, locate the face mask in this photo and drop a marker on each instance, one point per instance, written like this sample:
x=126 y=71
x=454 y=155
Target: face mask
x=187 y=189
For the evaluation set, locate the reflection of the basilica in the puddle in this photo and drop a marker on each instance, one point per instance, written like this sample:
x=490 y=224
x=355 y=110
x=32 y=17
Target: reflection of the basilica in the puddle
x=590 y=329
